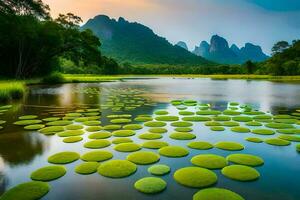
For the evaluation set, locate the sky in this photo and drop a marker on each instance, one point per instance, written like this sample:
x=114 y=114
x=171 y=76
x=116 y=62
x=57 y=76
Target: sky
x=261 y=22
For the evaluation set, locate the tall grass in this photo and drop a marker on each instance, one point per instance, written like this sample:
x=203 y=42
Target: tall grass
x=11 y=90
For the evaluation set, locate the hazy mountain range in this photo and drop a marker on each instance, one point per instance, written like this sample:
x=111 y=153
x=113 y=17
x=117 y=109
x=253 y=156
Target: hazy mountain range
x=135 y=43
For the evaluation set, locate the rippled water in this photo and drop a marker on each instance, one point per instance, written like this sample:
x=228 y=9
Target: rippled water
x=22 y=152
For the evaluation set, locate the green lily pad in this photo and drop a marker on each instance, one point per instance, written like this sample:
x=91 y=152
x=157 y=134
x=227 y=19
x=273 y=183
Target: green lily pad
x=70 y=133
x=92 y=123
x=112 y=127
x=240 y=173
x=120 y=121
x=96 y=156
x=87 y=168
x=27 y=117
x=150 y=136
x=94 y=128
x=245 y=159
x=291 y=138
x=155 y=124
x=48 y=173
x=196 y=119
x=240 y=129
x=34 y=127
x=123 y=133
x=154 y=144
x=181 y=124
x=143 y=157
x=217 y=128
x=117 y=168
x=242 y=119
x=167 y=118
x=133 y=127
x=28 y=122
x=254 y=140
x=209 y=161
x=200 y=145
x=74 y=127
x=183 y=129
x=97 y=144
x=72 y=139
x=159 y=170
x=121 y=140
x=150 y=185
x=182 y=136
x=173 y=151
x=216 y=194
x=63 y=157
x=279 y=126
x=254 y=123
x=127 y=147
x=263 y=131
x=277 y=142
x=59 y=123
x=100 y=135
x=51 y=130
x=222 y=118
x=229 y=146
x=161 y=112
x=158 y=130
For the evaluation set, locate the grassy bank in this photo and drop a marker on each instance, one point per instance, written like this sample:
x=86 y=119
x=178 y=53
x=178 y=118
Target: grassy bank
x=87 y=78
x=11 y=90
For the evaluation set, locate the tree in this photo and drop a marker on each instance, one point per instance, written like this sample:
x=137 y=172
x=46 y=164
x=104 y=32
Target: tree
x=250 y=67
x=280 y=47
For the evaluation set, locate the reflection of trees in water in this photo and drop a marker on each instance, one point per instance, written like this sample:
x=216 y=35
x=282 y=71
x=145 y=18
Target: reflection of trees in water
x=20 y=148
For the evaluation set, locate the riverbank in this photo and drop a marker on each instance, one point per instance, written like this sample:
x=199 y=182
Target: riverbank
x=11 y=90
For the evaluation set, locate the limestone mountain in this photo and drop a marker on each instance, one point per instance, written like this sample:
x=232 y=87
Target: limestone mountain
x=135 y=43
x=182 y=45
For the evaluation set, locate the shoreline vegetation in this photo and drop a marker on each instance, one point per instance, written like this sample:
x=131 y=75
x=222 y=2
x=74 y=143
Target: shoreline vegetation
x=16 y=89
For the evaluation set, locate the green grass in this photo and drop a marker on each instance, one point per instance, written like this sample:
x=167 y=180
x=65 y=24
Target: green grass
x=209 y=161
x=150 y=185
x=11 y=90
x=48 y=173
x=240 y=173
x=87 y=168
x=173 y=151
x=245 y=159
x=117 y=168
x=216 y=194
x=195 y=177
x=143 y=157
x=27 y=191
x=159 y=170
x=87 y=78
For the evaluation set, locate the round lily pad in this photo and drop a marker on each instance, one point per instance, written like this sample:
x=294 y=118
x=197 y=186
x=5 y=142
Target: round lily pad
x=143 y=157
x=182 y=136
x=51 y=130
x=291 y=138
x=242 y=119
x=154 y=144
x=217 y=128
x=120 y=121
x=2 y=122
x=97 y=156
x=181 y=124
x=150 y=185
x=127 y=147
x=279 y=126
x=72 y=139
x=70 y=133
x=185 y=112
x=263 y=131
x=195 y=177
x=92 y=123
x=74 y=127
x=25 y=117
x=254 y=123
x=209 y=161
x=165 y=118
x=277 y=142
x=161 y=112
x=289 y=131
x=117 y=168
x=158 y=130
x=87 y=168
x=28 y=122
x=159 y=170
x=245 y=159
x=213 y=123
x=229 y=146
x=183 y=129
x=94 y=128
x=231 y=112
x=123 y=133
x=173 y=151
x=196 y=119
x=155 y=124
x=112 y=127
x=34 y=127
x=59 y=123
x=143 y=119
x=48 y=173
x=150 y=136
x=200 y=145
x=97 y=144
x=100 y=135
x=216 y=194
x=240 y=173
x=63 y=157
x=222 y=118
x=121 y=140
x=254 y=140
x=240 y=129
x=133 y=127
x=298 y=147
x=208 y=112
x=27 y=191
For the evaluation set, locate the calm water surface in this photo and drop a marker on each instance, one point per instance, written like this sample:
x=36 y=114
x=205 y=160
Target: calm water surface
x=22 y=152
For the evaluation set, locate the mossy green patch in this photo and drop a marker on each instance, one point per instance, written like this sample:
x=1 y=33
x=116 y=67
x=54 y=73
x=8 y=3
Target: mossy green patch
x=279 y=126
x=70 y=133
x=292 y=138
x=195 y=177
x=254 y=123
x=200 y=145
x=48 y=173
x=133 y=127
x=121 y=140
x=34 y=127
x=254 y=140
x=173 y=151
x=240 y=129
x=117 y=168
x=51 y=130
x=217 y=128
x=59 y=123
x=161 y=112
x=28 y=122
x=112 y=127
x=155 y=124
x=240 y=173
x=150 y=185
x=72 y=139
x=97 y=156
x=196 y=119
x=87 y=168
x=100 y=135
x=182 y=136
x=94 y=128
x=245 y=159
x=229 y=146
x=181 y=124
x=74 y=127
x=127 y=147
x=92 y=123
x=166 y=118
x=221 y=118
x=143 y=157
x=209 y=161
x=159 y=170
x=242 y=119
x=154 y=144
x=63 y=157
x=263 y=131
x=158 y=130
x=277 y=142
x=27 y=191
x=216 y=194
x=123 y=133
x=150 y=136
x=230 y=124
x=97 y=144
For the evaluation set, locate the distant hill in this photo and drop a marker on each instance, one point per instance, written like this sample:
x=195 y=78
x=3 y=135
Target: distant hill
x=219 y=51
x=136 y=43
x=182 y=45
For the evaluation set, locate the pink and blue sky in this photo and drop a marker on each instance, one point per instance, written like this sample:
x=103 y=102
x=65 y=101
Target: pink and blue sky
x=261 y=22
